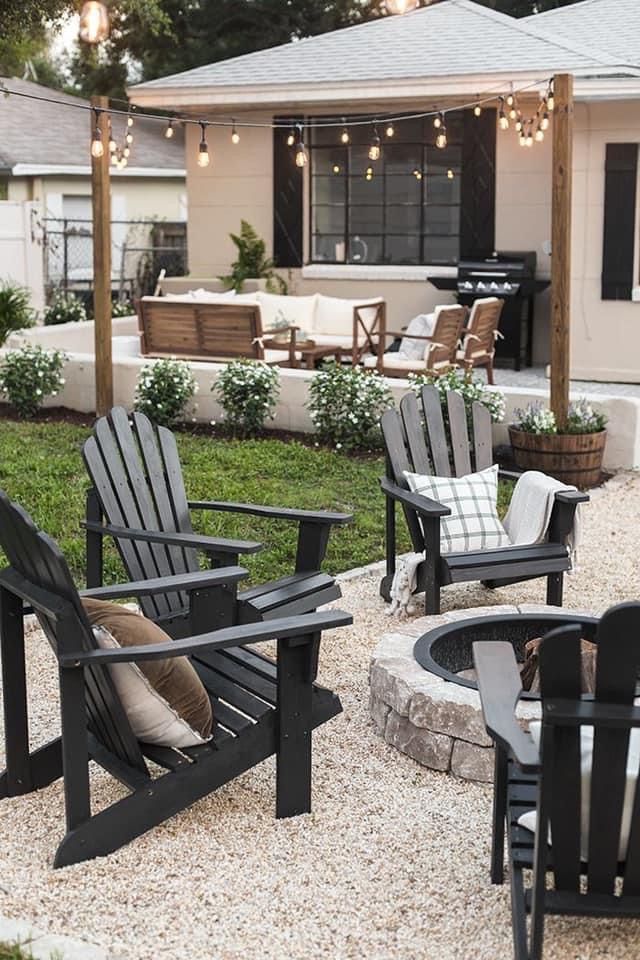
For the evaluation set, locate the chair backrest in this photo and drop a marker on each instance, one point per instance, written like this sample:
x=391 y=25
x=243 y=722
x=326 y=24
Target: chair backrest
x=37 y=560
x=195 y=330
x=482 y=328
x=419 y=439
x=562 y=778
x=441 y=351
x=137 y=476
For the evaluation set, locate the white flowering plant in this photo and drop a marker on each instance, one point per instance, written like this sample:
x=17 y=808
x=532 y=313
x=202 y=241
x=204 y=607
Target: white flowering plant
x=65 y=308
x=582 y=418
x=164 y=391
x=122 y=308
x=29 y=375
x=473 y=390
x=247 y=391
x=345 y=406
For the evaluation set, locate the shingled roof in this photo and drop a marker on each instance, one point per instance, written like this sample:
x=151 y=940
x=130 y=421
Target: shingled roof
x=453 y=38
x=613 y=24
x=40 y=134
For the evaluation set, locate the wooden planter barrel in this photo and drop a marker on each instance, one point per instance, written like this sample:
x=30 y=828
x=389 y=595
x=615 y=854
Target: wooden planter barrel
x=574 y=458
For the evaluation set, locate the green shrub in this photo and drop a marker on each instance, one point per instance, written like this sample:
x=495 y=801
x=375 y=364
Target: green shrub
x=252 y=262
x=247 y=391
x=164 y=390
x=15 y=312
x=122 y=308
x=65 y=308
x=345 y=406
x=471 y=388
x=29 y=375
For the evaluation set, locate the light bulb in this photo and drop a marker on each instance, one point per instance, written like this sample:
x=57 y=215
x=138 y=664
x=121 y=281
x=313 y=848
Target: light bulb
x=203 y=150
x=401 y=6
x=510 y=100
x=368 y=174
x=301 y=155
x=129 y=121
x=94 y=22
x=169 y=131
x=518 y=125
x=441 y=139
x=344 y=136
x=374 y=148
x=477 y=110
x=522 y=139
x=450 y=174
x=417 y=174
x=503 y=120
x=97 y=146
x=123 y=162
x=129 y=138
x=112 y=144
x=437 y=121
x=126 y=152
x=114 y=159
x=390 y=130
x=539 y=137
x=235 y=136
x=291 y=139
x=336 y=168
x=544 y=123
x=513 y=113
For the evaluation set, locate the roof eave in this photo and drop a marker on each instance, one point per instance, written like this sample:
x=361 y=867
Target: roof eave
x=73 y=170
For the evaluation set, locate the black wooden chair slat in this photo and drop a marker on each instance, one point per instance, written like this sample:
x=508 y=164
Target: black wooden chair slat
x=412 y=447
x=256 y=684
x=601 y=886
x=253 y=660
x=220 y=687
x=175 y=480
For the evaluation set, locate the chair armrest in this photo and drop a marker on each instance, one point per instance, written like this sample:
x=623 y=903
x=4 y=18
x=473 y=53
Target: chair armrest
x=275 y=513
x=499 y=686
x=286 y=628
x=572 y=496
x=509 y=474
x=197 y=580
x=410 y=336
x=195 y=540
x=417 y=502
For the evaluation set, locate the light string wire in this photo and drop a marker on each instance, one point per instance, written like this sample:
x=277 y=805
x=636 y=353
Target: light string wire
x=360 y=119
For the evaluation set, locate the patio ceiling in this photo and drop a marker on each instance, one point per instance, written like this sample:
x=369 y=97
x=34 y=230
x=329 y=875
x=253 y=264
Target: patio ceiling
x=438 y=50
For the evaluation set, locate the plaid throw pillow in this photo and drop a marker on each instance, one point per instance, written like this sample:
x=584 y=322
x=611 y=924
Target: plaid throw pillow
x=474 y=523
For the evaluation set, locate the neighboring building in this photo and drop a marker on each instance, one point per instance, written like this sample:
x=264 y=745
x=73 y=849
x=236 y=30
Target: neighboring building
x=336 y=231
x=45 y=159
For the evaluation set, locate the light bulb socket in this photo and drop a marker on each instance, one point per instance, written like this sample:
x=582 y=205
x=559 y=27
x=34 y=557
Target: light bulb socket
x=203 y=149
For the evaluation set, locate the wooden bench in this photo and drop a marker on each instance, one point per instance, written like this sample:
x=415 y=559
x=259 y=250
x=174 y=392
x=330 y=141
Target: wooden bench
x=207 y=331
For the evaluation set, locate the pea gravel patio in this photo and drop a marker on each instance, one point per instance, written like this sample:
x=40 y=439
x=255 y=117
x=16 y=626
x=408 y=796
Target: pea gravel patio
x=393 y=862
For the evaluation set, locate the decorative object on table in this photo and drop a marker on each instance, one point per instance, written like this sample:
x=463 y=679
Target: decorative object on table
x=247 y=392
x=138 y=499
x=165 y=390
x=252 y=262
x=29 y=375
x=417 y=441
x=345 y=405
x=15 y=312
x=573 y=455
x=420 y=351
x=480 y=336
x=575 y=780
x=260 y=707
x=65 y=308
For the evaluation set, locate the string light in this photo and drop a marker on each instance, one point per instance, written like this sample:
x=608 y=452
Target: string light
x=129 y=121
x=450 y=174
x=438 y=121
x=519 y=124
x=477 y=110
x=97 y=146
x=551 y=100
x=291 y=139
x=417 y=174
x=301 y=153
x=129 y=138
x=112 y=144
x=530 y=134
x=94 y=22
x=368 y=174
x=169 y=131
x=126 y=152
x=503 y=120
x=513 y=112
x=235 y=136
x=441 y=139
x=390 y=130
x=544 y=122
x=203 y=150
x=344 y=136
x=539 y=137
x=374 y=148
x=510 y=100
x=336 y=168
x=401 y=6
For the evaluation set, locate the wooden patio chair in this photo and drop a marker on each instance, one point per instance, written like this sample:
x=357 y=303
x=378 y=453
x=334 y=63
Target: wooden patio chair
x=419 y=441
x=595 y=871
x=137 y=486
x=480 y=335
x=440 y=348
x=260 y=707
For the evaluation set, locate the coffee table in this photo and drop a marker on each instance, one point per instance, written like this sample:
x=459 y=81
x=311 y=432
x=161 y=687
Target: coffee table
x=312 y=352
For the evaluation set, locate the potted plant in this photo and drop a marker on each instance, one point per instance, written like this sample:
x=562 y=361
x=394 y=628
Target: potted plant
x=573 y=455
x=252 y=262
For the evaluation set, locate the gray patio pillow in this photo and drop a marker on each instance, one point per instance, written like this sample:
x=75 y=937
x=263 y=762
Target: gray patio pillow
x=422 y=325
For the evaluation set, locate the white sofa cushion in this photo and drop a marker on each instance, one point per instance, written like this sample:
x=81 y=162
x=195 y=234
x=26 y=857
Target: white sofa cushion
x=203 y=296
x=296 y=311
x=334 y=316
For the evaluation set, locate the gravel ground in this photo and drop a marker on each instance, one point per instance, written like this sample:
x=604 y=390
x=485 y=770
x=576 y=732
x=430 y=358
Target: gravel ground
x=393 y=862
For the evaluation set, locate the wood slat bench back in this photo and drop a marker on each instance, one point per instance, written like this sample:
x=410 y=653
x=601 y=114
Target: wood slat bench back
x=200 y=330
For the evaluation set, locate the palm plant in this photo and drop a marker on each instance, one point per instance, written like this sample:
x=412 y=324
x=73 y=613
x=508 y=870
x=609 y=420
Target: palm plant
x=15 y=312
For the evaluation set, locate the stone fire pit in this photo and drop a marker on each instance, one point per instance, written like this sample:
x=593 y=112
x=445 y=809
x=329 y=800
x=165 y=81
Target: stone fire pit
x=438 y=721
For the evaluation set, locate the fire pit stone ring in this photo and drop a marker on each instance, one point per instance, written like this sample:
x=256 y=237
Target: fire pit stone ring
x=438 y=721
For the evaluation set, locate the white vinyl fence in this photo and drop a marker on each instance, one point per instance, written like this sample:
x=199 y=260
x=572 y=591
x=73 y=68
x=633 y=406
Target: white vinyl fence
x=21 y=248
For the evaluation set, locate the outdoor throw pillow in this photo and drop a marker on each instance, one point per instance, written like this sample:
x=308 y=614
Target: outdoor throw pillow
x=420 y=326
x=528 y=820
x=164 y=700
x=474 y=523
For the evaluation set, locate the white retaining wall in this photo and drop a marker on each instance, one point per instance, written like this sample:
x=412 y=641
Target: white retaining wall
x=623 y=441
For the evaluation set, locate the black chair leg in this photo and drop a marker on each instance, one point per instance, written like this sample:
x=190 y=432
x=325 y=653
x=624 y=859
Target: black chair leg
x=293 y=762
x=554 y=589
x=500 y=775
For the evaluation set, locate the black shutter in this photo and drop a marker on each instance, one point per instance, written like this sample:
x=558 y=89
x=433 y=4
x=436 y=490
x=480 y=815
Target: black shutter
x=287 y=202
x=618 y=245
x=478 y=186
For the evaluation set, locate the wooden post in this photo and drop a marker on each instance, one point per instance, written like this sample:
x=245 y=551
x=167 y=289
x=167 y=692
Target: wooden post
x=101 y=206
x=561 y=245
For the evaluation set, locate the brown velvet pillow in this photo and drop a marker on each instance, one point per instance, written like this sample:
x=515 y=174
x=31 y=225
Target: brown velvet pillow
x=174 y=679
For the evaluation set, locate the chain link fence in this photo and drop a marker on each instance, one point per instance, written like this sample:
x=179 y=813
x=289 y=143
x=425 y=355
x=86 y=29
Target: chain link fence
x=140 y=249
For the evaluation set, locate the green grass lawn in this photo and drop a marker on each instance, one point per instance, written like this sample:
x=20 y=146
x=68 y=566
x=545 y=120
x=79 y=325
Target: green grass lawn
x=41 y=467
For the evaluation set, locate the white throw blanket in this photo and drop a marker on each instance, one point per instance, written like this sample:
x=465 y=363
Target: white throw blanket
x=526 y=521
x=529 y=512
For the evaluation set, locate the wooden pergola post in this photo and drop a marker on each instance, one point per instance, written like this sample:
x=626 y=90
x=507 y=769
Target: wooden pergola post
x=561 y=245
x=101 y=207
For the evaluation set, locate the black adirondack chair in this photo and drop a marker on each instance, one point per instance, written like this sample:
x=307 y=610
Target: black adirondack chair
x=139 y=489
x=549 y=779
x=260 y=707
x=419 y=441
